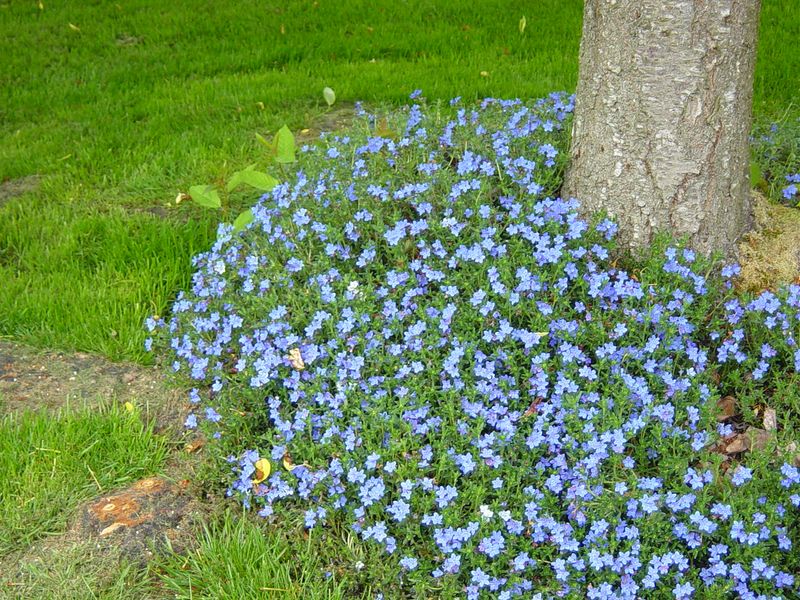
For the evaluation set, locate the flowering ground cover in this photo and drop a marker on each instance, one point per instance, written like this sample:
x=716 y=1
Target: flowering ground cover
x=418 y=340
x=776 y=158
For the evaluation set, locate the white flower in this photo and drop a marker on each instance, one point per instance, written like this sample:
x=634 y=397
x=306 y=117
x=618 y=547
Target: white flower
x=353 y=288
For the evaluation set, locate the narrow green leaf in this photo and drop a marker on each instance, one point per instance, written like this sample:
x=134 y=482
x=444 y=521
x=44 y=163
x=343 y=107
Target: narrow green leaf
x=283 y=146
x=523 y=22
x=329 y=95
x=755 y=173
x=263 y=140
x=205 y=195
x=243 y=220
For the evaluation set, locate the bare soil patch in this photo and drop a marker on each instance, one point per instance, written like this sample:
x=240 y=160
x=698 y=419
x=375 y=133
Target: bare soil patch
x=32 y=379
x=336 y=119
x=16 y=187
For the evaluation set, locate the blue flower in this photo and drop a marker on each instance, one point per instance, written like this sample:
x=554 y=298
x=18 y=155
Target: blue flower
x=741 y=476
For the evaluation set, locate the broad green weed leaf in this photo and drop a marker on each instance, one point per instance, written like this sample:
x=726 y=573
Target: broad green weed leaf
x=283 y=146
x=329 y=95
x=256 y=179
x=205 y=195
x=243 y=220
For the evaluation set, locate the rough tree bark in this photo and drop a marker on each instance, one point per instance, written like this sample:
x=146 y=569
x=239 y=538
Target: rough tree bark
x=662 y=118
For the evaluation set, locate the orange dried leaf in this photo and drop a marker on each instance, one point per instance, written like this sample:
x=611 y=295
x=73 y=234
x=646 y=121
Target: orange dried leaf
x=195 y=445
x=262 y=470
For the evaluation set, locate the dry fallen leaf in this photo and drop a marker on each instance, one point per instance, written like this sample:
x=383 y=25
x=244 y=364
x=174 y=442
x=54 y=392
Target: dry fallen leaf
x=289 y=465
x=738 y=444
x=262 y=470
x=770 y=419
x=111 y=528
x=727 y=407
x=532 y=408
x=296 y=360
x=195 y=445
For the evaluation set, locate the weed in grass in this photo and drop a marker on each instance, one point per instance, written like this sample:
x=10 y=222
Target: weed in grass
x=52 y=463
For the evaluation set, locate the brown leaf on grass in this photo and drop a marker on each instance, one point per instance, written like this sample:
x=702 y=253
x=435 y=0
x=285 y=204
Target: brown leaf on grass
x=195 y=445
x=727 y=408
x=532 y=408
x=770 y=419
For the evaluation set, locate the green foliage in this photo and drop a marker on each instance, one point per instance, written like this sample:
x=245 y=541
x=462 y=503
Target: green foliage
x=143 y=111
x=243 y=220
x=205 y=195
x=255 y=179
x=775 y=144
x=329 y=95
x=282 y=151
x=283 y=146
x=239 y=559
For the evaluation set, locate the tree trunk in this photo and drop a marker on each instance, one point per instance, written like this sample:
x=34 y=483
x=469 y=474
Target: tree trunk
x=663 y=116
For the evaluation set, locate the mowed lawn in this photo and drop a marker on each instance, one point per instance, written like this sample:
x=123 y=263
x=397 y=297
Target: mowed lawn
x=109 y=109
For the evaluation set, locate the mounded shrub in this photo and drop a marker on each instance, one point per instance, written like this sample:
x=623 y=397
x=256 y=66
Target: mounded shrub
x=416 y=337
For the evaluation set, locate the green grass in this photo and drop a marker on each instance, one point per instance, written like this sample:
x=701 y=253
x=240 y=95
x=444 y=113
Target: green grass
x=84 y=277
x=74 y=572
x=237 y=558
x=51 y=464
x=118 y=106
